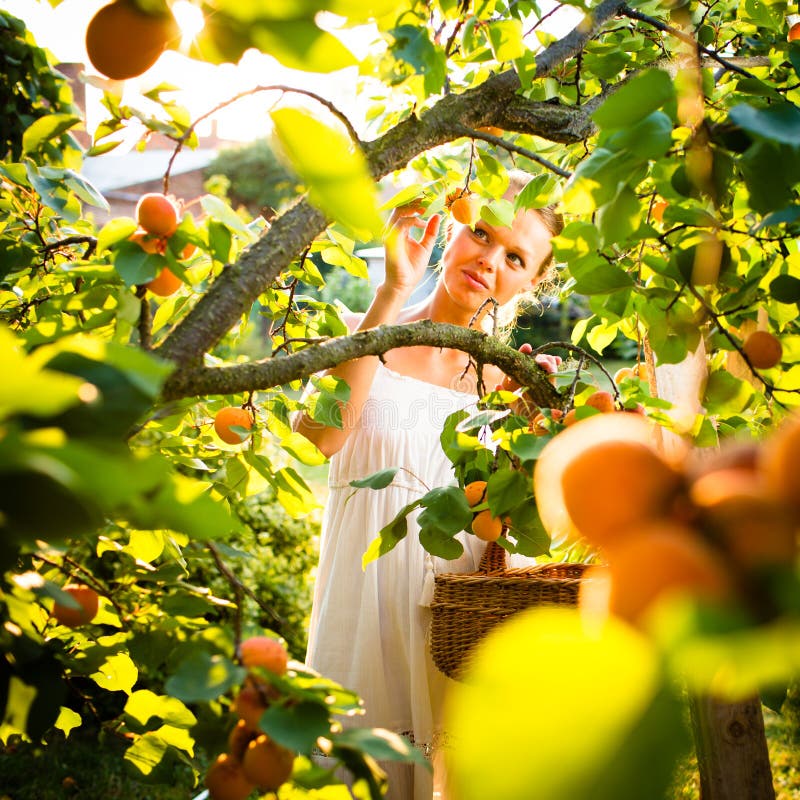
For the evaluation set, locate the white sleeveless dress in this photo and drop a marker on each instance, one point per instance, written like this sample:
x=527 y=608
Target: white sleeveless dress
x=369 y=629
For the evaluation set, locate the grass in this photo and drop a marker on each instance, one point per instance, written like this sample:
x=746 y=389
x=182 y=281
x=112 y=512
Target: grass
x=783 y=741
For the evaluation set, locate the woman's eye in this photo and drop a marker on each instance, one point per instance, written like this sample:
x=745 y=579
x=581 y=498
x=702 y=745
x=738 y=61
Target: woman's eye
x=481 y=234
x=516 y=260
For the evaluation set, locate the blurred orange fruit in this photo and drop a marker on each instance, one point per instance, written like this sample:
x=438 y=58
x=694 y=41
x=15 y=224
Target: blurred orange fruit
x=123 y=41
x=487 y=527
x=266 y=652
x=267 y=764
x=88 y=603
x=762 y=349
x=475 y=492
x=225 y=780
x=166 y=283
x=157 y=214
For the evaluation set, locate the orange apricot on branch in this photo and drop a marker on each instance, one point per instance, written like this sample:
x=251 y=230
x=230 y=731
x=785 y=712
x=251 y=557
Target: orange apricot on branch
x=487 y=527
x=475 y=492
x=763 y=350
x=122 y=41
x=165 y=284
x=154 y=245
x=601 y=400
x=466 y=209
x=267 y=764
x=240 y=736
x=232 y=417
x=657 y=210
x=88 y=603
x=249 y=705
x=225 y=780
x=794 y=32
x=157 y=214
x=266 y=652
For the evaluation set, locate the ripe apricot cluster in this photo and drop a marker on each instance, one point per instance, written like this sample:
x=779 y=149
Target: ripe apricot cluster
x=484 y=525
x=253 y=760
x=707 y=529
x=157 y=217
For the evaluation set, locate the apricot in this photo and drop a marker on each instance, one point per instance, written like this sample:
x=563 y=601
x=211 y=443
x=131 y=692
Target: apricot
x=475 y=492
x=267 y=764
x=539 y=425
x=794 y=32
x=570 y=418
x=657 y=210
x=249 y=705
x=155 y=245
x=601 y=400
x=225 y=780
x=166 y=283
x=88 y=604
x=487 y=527
x=707 y=260
x=664 y=558
x=240 y=736
x=736 y=508
x=611 y=487
x=157 y=214
x=266 y=652
x=466 y=209
x=624 y=373
x=122 y=41
x=493 y=130
x=228 y=418
x=763 y=350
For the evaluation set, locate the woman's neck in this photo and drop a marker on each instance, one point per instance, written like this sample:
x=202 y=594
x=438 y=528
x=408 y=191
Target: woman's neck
x=439 y=307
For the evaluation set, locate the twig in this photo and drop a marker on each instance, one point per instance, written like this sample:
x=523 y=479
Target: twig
x=145 y=319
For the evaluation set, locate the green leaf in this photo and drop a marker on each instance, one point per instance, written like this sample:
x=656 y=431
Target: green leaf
x=505 y=39
x=334 y=169
x=219 y=210
x=778 y=122
x=300 y=44
x=601 y=278
x=412 y=45
x=144 y=705
x=388 y=536
x=527 y=446
x=785 y=289
x=296 y=726
x=505 y=488
x=380 y=744
x=293 y=493
x=649 y=138
x=45 y=129
x=114 y=231
x=136 y=267
x=202 y=677
x=445 y=509
x=618 y=219
x=439 y=543
x=85 y=189
x=378 y=480
x=117 y=673
x=302 y=449
x=638 y=98
x=67 y=721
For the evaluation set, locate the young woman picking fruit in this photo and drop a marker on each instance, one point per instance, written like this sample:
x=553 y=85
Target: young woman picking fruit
x=368 y=628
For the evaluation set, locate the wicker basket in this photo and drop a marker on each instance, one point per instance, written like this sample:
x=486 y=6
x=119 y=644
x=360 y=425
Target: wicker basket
x=466 y=607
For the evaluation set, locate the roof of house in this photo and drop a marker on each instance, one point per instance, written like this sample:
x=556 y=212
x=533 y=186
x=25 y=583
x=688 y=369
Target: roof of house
x=110 y=172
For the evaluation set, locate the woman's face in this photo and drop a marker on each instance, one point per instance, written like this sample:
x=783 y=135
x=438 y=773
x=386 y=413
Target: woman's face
x=494 y=261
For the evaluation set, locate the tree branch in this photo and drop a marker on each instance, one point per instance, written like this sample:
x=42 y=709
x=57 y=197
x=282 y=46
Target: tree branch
x=271 y=372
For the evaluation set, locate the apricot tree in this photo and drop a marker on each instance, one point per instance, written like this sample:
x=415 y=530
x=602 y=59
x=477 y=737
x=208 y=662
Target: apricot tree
x=669 y=135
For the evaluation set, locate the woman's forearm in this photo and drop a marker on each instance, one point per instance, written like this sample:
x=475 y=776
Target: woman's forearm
x=358 y=374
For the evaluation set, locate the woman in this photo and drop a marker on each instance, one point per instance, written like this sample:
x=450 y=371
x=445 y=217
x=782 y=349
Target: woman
x=368 y=628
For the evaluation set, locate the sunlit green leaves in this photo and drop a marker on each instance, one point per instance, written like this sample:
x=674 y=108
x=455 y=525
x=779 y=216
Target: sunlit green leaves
x=606 y=682
x=634 y=101
x=117 y=673
x=334 y=169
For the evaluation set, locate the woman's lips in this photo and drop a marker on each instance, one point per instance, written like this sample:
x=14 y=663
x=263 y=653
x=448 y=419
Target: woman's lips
x=475 y=281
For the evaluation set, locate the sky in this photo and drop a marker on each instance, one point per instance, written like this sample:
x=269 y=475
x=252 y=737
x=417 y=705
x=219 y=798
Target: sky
x=204 y=86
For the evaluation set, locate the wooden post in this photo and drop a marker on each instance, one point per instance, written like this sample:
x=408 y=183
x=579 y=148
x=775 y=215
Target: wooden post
x=731 y=746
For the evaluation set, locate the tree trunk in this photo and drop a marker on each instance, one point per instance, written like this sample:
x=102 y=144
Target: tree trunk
x=731 y=746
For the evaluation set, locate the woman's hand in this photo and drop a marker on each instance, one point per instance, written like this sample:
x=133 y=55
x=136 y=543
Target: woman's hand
x=547 y=362
x=407 y=257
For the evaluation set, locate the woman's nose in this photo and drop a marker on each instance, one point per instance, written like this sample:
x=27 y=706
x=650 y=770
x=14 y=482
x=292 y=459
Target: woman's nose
x=488 y=259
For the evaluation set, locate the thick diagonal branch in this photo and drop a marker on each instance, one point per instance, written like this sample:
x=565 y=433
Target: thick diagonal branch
x=272 y=372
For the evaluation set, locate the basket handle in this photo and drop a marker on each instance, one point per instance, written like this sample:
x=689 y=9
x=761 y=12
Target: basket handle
x=493 y=559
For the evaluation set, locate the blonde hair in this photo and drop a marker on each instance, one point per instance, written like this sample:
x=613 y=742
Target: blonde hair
x=508 y=314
